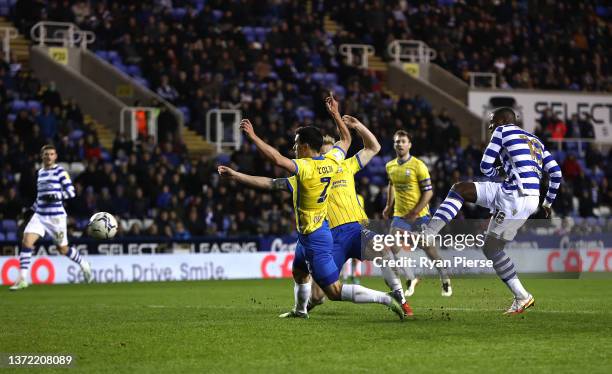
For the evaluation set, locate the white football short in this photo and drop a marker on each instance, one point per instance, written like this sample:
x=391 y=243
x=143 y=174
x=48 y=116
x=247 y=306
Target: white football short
x=510 y=209
x=55 y=226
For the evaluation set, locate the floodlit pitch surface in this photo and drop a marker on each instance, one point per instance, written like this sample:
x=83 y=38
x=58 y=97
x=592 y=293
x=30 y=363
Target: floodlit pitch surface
x=232 y=326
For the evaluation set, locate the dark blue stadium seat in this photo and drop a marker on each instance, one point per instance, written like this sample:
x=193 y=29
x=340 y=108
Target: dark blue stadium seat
x=217 y=14
x=102 y=54
x=261 y=33
x=134 y=70
x=186 y=113
x=34 y=104
x=331 y=78
x=19 y=105
x=12 y=236
x=223 y=158
x=179 y=13
x=9 y=225
x=119 y=65
x=142 y=81
x=113 y=56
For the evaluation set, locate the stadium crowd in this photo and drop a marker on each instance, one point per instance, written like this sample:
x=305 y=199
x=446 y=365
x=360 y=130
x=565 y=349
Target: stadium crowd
x=527 y=44
x=277 y=76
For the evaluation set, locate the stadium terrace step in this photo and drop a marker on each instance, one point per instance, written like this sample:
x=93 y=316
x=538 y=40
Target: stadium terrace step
x=375 y=63
x=330 y=25
x=105 y=135
x=19 y=46
x=196 y=144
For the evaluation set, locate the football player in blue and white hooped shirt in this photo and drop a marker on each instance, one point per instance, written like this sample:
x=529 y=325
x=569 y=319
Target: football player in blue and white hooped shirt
x=523 y=158
x=53 y=186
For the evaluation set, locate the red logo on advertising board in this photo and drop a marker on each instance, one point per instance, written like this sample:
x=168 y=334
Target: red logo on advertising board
x=40 y=262
x=282 y=261
x=575 y=262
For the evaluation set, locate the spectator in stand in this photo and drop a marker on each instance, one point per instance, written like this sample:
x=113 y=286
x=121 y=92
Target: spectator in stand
x=557 y=128
x=181 y=232
x=571 y=168
x=92 y=148
x=166 y=91
x=47 y=123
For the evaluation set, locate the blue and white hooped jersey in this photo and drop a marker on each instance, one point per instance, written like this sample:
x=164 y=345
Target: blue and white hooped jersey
x=53 y=181
x=523 y=157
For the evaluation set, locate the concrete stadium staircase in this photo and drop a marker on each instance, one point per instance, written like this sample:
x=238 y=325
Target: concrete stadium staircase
x=374 y=62
x=423 y=87
x=105 y=135
x=196 y=144
x=20 y=46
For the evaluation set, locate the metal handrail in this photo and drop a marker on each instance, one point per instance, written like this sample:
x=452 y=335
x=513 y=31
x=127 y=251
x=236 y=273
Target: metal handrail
x=65 y=33
x=236 y=136
x=347 y=51
x=133 y=133
x=478 y=74
x=414 y=51
x=8 y=33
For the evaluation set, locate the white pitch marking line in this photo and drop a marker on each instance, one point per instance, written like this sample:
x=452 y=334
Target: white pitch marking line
x=529 y=311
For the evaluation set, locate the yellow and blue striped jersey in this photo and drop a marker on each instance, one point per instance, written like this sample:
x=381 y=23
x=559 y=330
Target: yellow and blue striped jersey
x=409 y=179
x=310 y=187
x=344 y=204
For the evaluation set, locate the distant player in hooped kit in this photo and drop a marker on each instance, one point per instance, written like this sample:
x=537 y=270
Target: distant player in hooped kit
x=53 y=187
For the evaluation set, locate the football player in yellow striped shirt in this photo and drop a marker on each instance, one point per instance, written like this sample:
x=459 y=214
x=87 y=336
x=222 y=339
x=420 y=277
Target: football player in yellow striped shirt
x=314 y=250
x=408 y=199
x=345 y=211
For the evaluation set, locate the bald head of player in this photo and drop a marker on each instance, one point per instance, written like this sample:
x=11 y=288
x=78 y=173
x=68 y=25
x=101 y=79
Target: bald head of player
x=500 y=117
x=308 y=142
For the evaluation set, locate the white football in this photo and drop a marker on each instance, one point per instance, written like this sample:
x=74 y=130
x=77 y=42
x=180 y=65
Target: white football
x=102 y=225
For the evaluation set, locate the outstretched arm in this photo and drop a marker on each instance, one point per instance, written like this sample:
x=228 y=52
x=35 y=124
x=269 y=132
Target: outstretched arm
x=371 y=146
x=345 y=135
x=263 y=183
x=491 y=154
x=388 y=211
x=267 y=150
x=554 y=172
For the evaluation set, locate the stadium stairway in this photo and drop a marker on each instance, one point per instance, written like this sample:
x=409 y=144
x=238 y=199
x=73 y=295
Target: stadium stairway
x=196 y=144
x=105 y=135
x=375 y=63
x=20 y=46
x=396 y=81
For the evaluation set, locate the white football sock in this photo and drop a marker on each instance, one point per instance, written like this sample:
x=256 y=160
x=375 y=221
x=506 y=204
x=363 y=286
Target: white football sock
x=360 y=295
x=406 y=270
x=390 y=276
x=301 y=292
x=517 y=288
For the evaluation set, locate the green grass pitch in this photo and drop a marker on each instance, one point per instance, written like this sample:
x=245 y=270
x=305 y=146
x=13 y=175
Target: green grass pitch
x=232 y=326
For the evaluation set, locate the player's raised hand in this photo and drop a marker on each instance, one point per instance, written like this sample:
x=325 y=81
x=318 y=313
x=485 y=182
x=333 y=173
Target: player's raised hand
x=332 y=105
x=247 y=128
x=387 y=212
x=226 y=172
x=351 y=122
